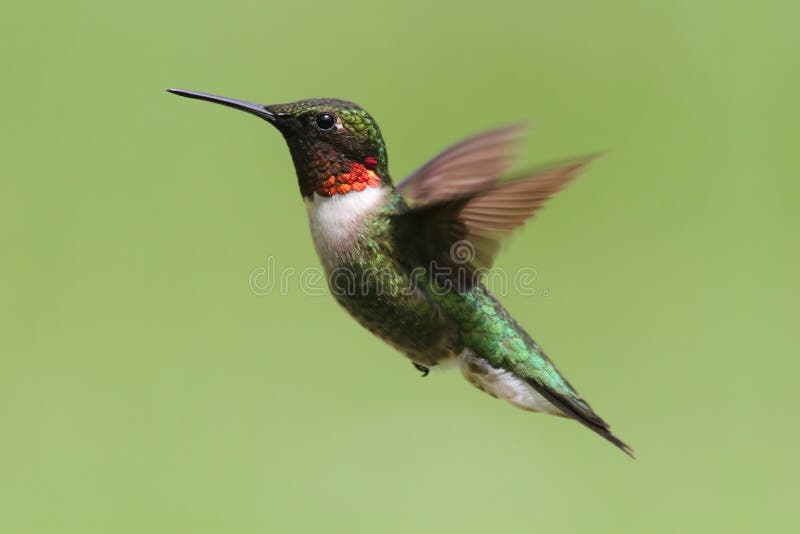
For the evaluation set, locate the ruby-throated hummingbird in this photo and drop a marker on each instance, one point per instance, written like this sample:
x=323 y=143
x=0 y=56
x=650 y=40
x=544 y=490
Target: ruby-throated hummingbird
x=406 y=261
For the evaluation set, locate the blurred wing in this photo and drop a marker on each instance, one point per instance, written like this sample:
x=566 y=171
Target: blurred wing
x=509 y=205
x=472 y=165
x=460 y=236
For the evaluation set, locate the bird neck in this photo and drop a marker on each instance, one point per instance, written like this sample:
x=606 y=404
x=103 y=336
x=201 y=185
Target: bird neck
x=355 y=179
x=327 y=172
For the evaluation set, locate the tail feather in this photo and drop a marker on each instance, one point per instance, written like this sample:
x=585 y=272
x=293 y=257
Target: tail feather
x=579 y=410
x=520 y=389
x=505 y=362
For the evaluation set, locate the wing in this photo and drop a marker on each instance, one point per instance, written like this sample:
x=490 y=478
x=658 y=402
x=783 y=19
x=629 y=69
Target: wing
x=474 y=164
x=458 y=238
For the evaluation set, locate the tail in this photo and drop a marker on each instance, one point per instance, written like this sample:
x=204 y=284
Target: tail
x=578 y=409
x=504 y=361
x=530 y=393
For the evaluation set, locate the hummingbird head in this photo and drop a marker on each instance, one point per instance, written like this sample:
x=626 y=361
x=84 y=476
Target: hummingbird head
x=336 y=146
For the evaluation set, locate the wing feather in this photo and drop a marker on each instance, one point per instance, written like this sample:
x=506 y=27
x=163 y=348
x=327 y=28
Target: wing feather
x=473 y=164
x=431 y=232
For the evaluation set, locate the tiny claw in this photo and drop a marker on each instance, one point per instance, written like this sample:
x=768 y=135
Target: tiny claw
x=422 y=369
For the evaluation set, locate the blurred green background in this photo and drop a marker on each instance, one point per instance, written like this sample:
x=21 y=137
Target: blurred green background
x=145 y=388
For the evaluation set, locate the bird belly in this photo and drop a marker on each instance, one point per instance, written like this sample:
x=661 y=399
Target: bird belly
x=387 y=305
x=366 y=280
x=502 y=384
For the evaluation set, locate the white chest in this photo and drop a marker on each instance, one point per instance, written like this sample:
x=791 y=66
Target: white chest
x=336 y=222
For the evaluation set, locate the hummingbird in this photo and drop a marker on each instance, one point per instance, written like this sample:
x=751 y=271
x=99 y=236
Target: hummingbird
x=406 y=261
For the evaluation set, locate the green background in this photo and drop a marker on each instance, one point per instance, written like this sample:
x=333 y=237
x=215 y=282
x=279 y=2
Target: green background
x=144 y=388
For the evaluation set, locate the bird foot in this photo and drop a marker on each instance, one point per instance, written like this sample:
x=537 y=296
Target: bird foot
x=422 y=369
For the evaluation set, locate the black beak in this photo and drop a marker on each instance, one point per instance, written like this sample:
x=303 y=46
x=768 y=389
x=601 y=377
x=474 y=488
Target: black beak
x=256 y=109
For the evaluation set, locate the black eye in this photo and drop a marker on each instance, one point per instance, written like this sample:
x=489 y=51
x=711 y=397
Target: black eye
x=325 y=121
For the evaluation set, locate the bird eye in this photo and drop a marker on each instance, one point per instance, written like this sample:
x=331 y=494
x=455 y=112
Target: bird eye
x=325 y=121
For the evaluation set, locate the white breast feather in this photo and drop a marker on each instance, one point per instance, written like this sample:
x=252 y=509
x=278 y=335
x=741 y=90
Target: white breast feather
x=336 y=221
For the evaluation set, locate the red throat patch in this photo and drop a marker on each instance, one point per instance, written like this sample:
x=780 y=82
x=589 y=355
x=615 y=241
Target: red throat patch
x=358 y=179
